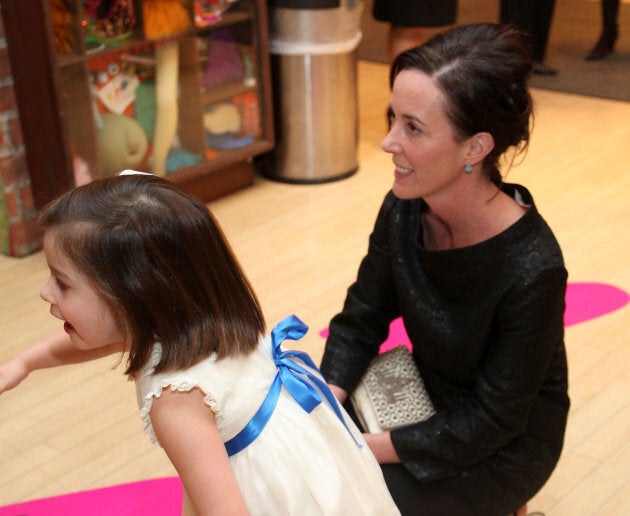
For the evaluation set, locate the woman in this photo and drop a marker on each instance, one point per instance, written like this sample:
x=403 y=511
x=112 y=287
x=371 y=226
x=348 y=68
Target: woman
x=476 y=275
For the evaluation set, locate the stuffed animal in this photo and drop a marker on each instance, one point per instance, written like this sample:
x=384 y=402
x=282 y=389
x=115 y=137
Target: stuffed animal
x=61 y=17
x=122 y=144
x=162 y=19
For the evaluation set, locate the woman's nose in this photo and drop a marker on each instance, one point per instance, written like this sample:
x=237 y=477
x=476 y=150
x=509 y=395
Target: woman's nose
x=388 y=144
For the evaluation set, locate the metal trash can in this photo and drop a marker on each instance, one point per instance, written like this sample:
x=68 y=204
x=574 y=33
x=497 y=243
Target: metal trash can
x=314 y=74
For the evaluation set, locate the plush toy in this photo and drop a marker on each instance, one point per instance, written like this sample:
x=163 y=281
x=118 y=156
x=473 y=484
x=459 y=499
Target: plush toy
x=109 y=21
x=162 y=19
x=122 y=144
x=61 y=17
x=224 y=60
x=222 y=118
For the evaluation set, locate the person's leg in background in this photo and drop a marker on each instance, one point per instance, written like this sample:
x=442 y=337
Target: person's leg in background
x=408 y=19
x=541 y=27
x=402 y=38
x=533 y=17
x=610 y=31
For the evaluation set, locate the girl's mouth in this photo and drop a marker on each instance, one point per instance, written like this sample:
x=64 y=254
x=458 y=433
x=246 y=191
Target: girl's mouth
x=68 y=328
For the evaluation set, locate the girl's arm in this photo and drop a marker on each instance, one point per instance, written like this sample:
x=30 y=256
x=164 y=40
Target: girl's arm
x=52 y=351
x=187 y=430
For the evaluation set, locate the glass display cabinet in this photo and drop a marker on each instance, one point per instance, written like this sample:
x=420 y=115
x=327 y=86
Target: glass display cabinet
x=180 y=88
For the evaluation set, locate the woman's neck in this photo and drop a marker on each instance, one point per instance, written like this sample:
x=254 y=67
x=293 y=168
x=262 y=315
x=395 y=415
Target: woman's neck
x=468 y=221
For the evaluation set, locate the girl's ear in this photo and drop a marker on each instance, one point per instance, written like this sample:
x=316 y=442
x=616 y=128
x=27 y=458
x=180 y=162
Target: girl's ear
x=480 y=145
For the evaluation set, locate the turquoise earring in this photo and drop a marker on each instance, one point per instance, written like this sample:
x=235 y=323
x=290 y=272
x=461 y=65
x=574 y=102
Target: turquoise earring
x=468 y=169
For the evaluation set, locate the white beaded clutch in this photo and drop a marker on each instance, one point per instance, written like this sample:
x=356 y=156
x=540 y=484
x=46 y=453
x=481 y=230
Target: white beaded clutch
x=391 y=393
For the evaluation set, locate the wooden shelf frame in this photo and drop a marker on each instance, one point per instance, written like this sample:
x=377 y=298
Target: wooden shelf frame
x=53 y=93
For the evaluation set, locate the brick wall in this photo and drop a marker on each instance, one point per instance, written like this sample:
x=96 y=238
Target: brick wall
x=22 y=236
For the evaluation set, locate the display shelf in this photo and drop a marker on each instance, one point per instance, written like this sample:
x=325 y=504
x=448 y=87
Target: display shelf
x=193 y=105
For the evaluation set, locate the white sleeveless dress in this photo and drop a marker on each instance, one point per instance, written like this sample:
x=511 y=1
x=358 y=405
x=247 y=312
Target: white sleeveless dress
x=301 y=464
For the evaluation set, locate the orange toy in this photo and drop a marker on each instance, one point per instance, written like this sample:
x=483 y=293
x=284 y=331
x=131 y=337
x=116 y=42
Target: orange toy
x=163 y=18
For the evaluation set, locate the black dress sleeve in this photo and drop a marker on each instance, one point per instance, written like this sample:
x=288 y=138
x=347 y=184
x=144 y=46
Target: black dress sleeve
x=358 y=330
x=520 y=387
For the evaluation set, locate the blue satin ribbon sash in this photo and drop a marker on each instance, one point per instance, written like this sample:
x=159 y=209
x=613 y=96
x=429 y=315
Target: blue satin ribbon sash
x=305 y=386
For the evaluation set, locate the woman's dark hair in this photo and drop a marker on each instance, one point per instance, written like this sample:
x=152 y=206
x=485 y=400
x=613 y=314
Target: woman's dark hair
x=161 y=263
x=483 y=70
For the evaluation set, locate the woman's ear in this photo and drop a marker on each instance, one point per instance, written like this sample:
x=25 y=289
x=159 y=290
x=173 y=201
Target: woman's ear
x=480 y=145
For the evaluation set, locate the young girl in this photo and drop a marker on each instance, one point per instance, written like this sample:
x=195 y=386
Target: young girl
x=137 y=266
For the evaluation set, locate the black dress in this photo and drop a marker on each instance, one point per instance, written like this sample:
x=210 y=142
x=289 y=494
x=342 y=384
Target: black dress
x=486 y=323
x=416 y=13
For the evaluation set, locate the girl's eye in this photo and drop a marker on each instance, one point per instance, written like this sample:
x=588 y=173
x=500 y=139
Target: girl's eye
x=60 y=284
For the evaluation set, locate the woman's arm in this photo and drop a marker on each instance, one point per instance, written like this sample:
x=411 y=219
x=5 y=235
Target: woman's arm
x=52 y=351
x=339 y=393
x=519 y=385
x=186 y=428
x=370 y=305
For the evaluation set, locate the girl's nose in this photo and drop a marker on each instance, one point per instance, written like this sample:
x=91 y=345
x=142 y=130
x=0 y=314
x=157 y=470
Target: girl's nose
x=45 y=292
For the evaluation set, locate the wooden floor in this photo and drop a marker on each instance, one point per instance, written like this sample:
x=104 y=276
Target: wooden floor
x=77 y=427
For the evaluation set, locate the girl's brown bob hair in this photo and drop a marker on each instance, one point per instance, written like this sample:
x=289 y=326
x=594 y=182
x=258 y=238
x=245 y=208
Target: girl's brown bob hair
x=161 y=263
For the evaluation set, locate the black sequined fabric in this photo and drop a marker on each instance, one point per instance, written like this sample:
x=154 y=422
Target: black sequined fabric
x=486 y=323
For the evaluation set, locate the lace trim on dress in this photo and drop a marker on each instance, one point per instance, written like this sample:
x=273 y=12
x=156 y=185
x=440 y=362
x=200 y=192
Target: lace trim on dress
x=181 y=385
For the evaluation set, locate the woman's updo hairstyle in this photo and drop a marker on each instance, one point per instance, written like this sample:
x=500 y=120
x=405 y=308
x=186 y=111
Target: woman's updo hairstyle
x=483 y=71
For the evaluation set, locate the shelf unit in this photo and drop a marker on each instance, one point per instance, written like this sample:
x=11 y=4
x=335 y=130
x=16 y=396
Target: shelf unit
x=100 y=103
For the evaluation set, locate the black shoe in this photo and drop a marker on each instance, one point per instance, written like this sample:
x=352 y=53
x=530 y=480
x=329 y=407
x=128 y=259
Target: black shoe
x=541 y=69
x=603 y=47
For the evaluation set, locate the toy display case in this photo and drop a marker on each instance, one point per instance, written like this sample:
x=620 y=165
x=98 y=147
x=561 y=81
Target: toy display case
x=180 y=88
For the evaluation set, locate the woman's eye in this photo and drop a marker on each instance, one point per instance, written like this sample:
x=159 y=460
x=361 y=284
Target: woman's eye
x=412 y=128
x=390 y=117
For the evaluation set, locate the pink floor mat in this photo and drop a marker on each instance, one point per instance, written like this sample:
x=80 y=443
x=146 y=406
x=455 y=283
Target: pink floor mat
x=159 y=497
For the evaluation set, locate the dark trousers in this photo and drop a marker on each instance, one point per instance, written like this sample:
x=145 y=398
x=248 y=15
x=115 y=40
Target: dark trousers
x=415 y=499
x=474 y=494
x=610 y=11
x=533 y=17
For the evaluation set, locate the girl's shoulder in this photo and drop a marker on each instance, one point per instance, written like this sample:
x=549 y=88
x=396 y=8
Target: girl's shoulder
x=225 y=383
x=210 y=375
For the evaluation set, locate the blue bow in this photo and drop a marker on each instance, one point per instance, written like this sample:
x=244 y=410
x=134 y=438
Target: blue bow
x=303 y=385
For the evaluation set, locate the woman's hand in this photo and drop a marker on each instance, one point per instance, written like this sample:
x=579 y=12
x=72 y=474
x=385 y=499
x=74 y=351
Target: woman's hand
x=339 y=393
x=382 y=447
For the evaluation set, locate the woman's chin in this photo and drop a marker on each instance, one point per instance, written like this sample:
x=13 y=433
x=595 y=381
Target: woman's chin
x=403 y=191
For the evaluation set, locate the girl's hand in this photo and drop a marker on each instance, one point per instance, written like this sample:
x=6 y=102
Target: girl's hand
x=52 y=351
x=12 y=373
